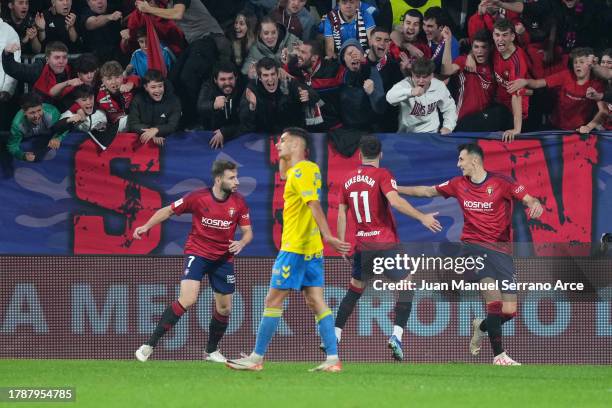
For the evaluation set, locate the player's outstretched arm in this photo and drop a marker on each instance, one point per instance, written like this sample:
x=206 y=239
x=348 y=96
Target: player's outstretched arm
x=160 y=216
x=247 y=236
x=428 y=220
x=534 y=205
x=319 y=216
x=418 y=191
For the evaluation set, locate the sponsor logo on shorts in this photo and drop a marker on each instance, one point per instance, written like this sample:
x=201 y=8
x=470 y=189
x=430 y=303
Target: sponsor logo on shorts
x=230 y=278
x=186 y=272
x=275 y=271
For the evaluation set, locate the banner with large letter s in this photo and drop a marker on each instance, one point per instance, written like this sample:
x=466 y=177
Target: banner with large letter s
x=83 y=201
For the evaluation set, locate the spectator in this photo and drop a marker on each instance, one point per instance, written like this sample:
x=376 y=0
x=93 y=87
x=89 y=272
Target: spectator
x=488 y=14
x=362 y=96
x=101 y=30
x=273 y=41
x=84 y=117
x=85 y=68
x=344 y=23
x=219 y=104
x=116 y=93
x=8 y=84
x=139 y=62
x=271 y=104
x=323 y=75
x=378 y=57
x=34 y=124
x=207 y=44
x=573 y=110
x=294 y=16
x=434 y=21
x=509 y=63
x=41 y=76
x=25 y=25
x=577 y=25
x=225 y=11
x=409 y=41
x=474 y=90
x=420 y=96
x=60 y=25
x=155 y=113
x=242 y=36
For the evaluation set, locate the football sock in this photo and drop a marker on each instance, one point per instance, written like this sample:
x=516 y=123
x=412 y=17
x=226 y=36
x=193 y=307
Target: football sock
x=347 y=305
x=326 y=329
x=171 y=315
x=267 y=327
x=216 y=330
x=494 y=319
x=505 y=317
x=402 y=313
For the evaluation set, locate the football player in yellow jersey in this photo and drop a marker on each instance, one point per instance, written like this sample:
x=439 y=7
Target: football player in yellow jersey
x=299 y=264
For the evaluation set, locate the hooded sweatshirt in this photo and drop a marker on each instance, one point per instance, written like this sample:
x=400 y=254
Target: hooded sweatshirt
x=260 y=50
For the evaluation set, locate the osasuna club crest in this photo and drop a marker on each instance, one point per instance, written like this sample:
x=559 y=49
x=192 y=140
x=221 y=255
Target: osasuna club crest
x=231 y=212
x=490 y=190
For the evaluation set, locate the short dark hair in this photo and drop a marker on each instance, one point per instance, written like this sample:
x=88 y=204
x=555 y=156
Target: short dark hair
x=82 y=91
x=317 y=47
x=152 y=75
x=413 y=13
x=30 y=100
x=423 y=67
x=141 y=32
x=483 y=35
x=219 y=167
x=379 y=29
x=471 y=148
x=301 y=133
x=85 y=63
x=581 y=52
x=370 y=147
x=224 y=66
x=504 y=25
x=55 y=46
x=267 y=63
x=437 y=14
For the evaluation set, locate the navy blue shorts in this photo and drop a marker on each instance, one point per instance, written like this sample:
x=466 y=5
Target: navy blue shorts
x=220 y=273
x=497 y=265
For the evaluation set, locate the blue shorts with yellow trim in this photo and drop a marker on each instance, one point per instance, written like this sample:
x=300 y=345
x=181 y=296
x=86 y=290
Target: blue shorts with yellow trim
x=295 y=271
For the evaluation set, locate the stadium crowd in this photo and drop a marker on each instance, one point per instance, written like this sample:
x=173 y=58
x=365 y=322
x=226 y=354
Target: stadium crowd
x=343 y=67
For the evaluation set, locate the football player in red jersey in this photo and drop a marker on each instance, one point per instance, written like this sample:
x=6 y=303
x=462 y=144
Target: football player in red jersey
x=368 y=193
x=210 y=249
x=486 y=201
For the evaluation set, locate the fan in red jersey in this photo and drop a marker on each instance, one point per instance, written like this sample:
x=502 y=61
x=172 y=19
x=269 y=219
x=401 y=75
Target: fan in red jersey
x=486 y=201
x=368 y=193
x=209 y=250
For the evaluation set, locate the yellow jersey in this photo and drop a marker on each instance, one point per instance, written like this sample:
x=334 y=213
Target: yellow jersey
x=400 y=7
x=301 y=234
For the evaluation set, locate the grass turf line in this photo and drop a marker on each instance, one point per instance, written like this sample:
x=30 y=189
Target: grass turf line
x=111 y=383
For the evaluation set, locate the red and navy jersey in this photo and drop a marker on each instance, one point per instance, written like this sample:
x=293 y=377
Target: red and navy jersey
x=487 y=208
x=213 y=222
x=475 y=90
x=364 y=192
x=506 y=70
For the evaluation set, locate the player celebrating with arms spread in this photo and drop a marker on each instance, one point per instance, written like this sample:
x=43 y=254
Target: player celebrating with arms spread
x=299 y=264
x=370 y=191
x=486 y=200
x=210 y=249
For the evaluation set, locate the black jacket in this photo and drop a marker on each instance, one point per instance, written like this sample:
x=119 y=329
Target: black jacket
x=28 y=73
x=146 y=113
x=226 y=119
x=278 y=110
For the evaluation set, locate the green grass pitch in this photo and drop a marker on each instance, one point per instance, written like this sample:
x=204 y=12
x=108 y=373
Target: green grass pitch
x=111 y=383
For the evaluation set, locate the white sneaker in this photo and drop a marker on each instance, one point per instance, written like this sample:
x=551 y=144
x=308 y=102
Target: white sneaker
x=477 y=336
x=504 y=360
x=215 y=357
x=331 y=365
x=144 y=352
x=250 y=363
